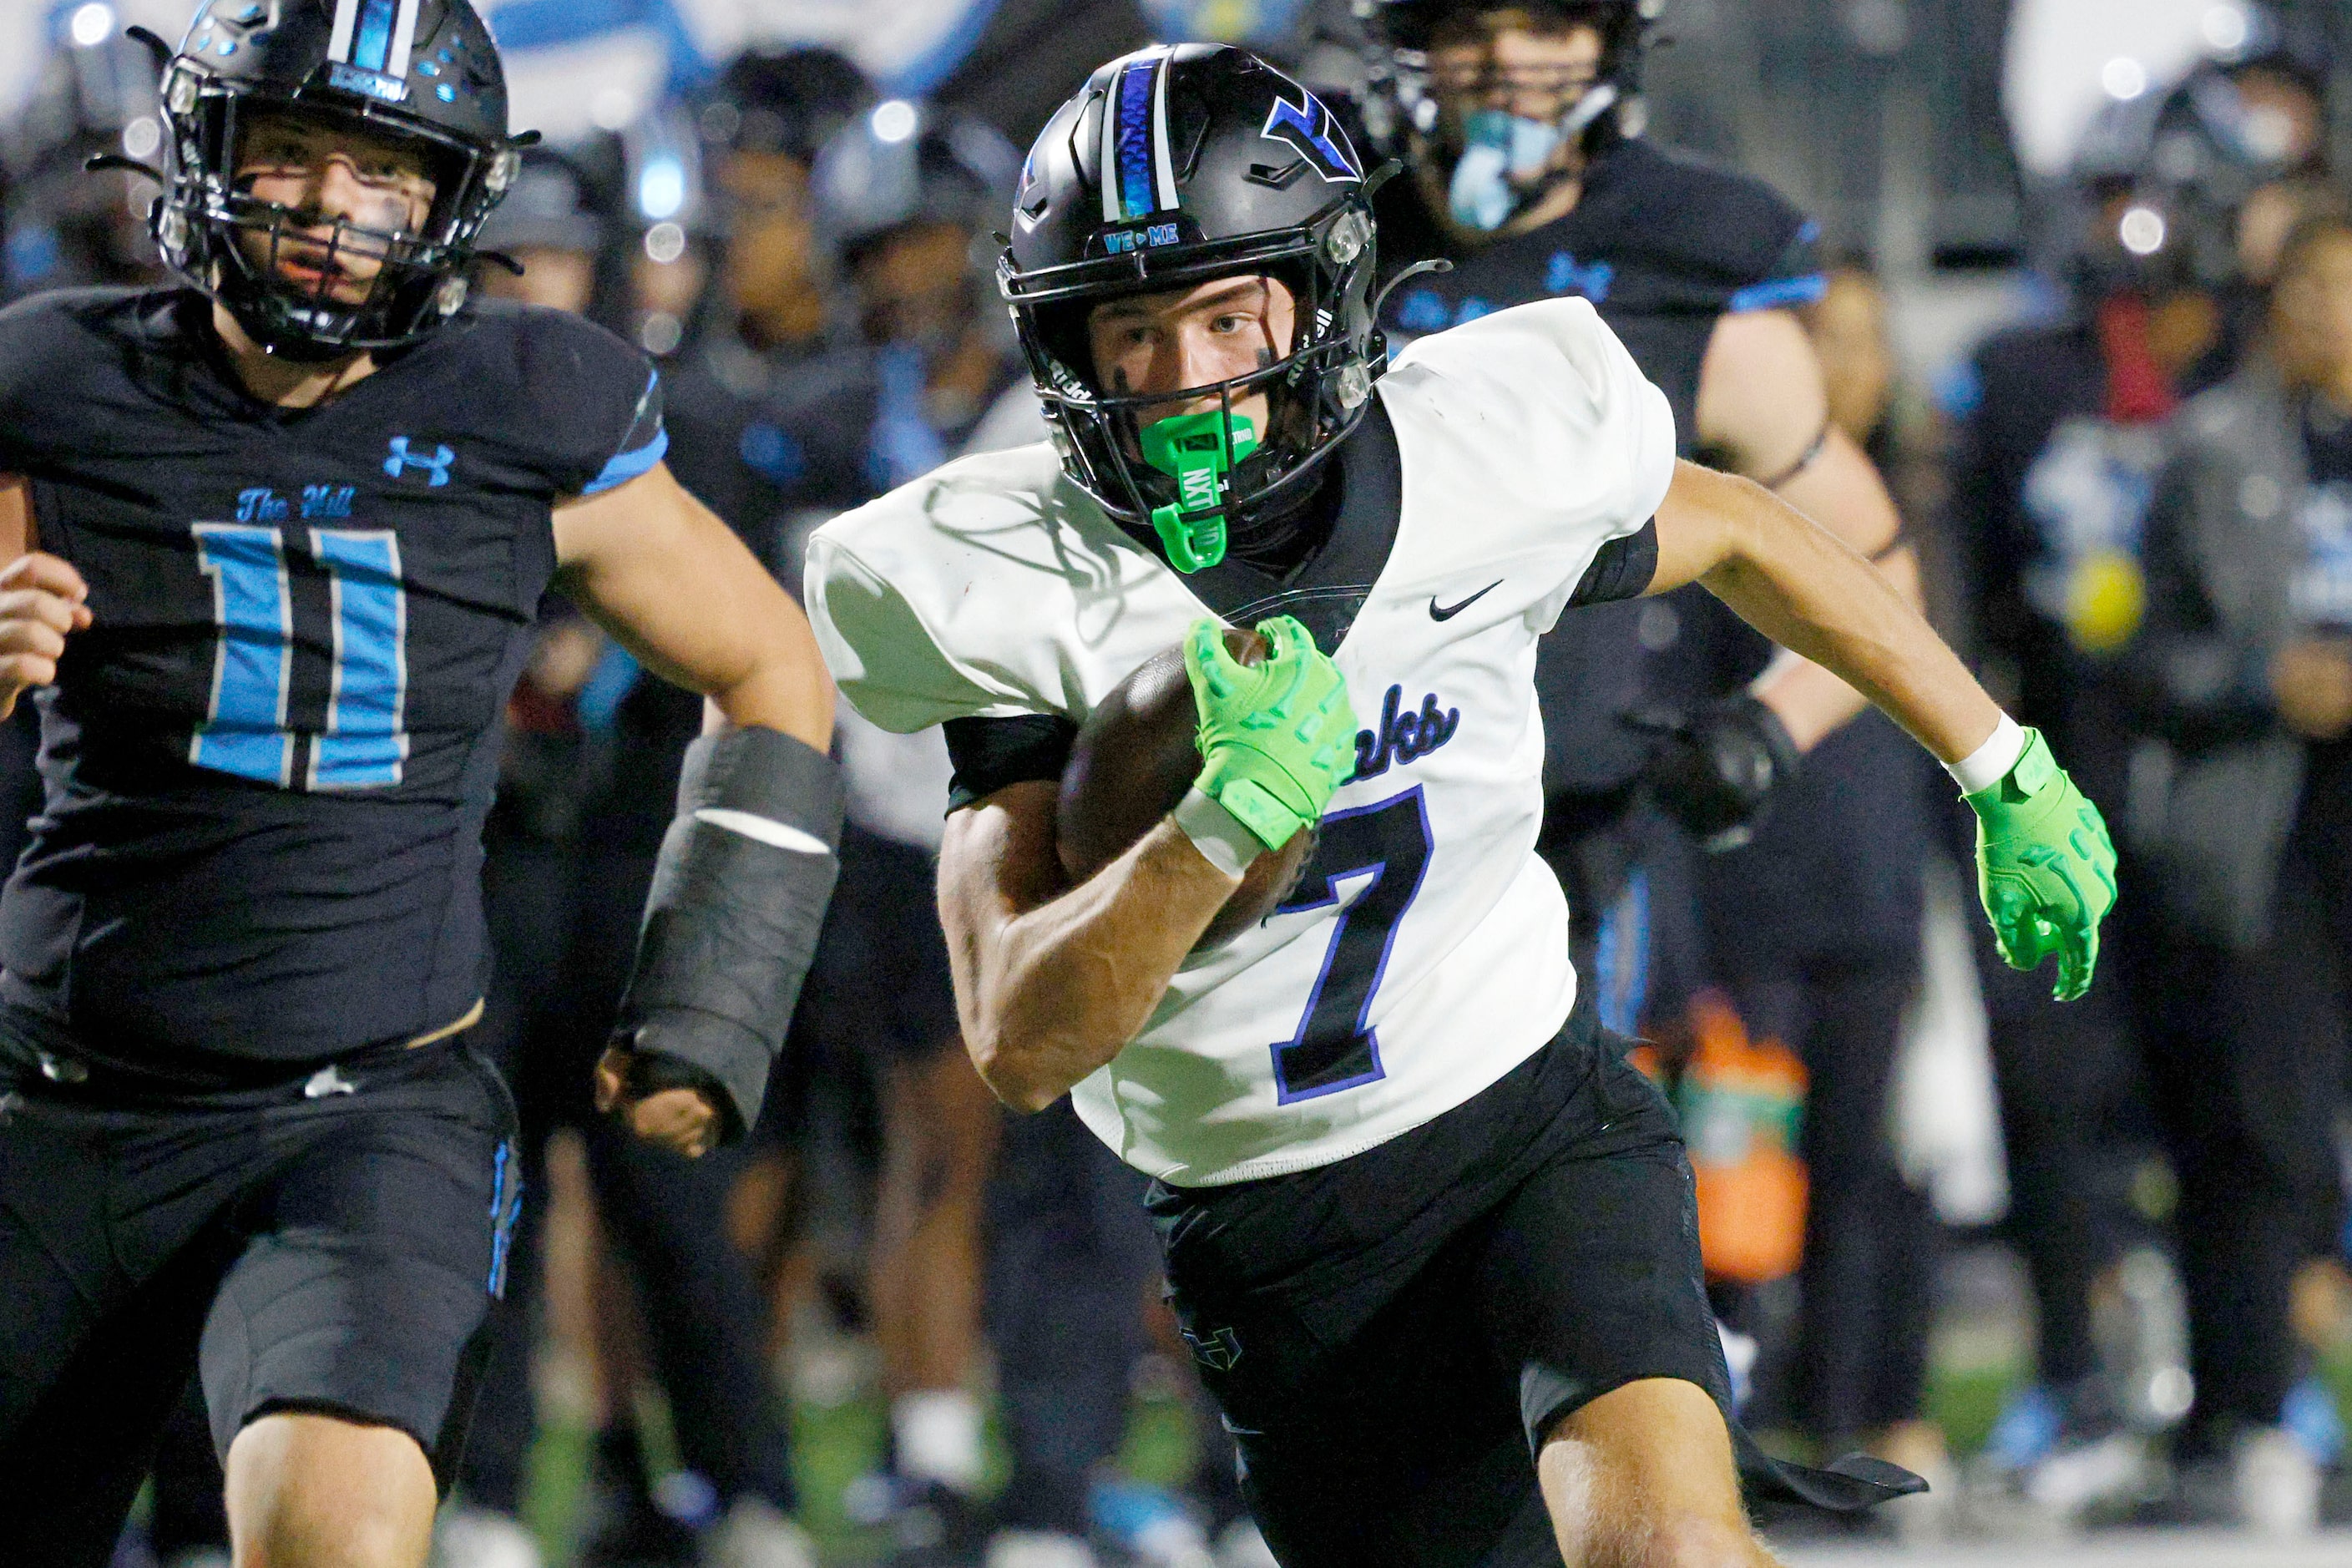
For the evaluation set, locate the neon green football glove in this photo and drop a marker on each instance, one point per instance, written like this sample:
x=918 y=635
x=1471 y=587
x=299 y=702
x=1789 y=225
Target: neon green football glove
x=1277 y=737
x=2045 y=869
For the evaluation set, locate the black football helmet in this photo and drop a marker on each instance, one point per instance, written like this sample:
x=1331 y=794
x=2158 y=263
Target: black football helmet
x=2156 y=186
x=423 y=73
x=1174 y=167
x=1402 y=32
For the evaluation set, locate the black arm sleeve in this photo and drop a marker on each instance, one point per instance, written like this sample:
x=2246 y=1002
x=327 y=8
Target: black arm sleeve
x=989 y=754
x=739 y=894
x=1623 y=569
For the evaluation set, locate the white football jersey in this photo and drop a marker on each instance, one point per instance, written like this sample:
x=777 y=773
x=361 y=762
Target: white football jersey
x=1425 y=952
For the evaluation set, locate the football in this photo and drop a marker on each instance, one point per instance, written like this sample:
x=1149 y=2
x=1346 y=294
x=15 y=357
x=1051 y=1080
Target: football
x=1132 y=762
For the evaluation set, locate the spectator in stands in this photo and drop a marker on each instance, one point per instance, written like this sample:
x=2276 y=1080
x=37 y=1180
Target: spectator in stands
x=2244 y=817
x=2052 y=466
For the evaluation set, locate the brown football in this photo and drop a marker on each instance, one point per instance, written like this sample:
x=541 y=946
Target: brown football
x=1132 y=762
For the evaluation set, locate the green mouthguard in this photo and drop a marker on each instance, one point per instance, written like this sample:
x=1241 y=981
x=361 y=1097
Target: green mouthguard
x=1191 y=449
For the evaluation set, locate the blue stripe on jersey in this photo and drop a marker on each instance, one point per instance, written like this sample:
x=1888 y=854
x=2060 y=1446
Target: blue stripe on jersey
x=1780 y=293
x=1135 y=189
x=628 y=465
x=245 y=732
x=362 y=746
x=372 y=40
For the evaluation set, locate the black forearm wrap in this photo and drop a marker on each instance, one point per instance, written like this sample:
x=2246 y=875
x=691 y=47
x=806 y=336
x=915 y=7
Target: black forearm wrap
x=731 y=921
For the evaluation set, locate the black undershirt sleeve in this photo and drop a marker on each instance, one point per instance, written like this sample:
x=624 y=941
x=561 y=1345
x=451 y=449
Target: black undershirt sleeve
x=990 y=754
x=1622 y=569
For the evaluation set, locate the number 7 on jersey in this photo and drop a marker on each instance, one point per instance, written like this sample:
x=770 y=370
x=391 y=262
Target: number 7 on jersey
x=1336 y=1047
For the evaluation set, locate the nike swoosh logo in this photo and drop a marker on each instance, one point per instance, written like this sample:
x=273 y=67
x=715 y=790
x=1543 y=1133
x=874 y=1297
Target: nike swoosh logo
x=1448 y=612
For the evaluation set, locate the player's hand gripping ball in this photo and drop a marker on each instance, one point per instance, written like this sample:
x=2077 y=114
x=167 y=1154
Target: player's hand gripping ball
x=2045 y=869
x=1134 y=758
x=1277 y=737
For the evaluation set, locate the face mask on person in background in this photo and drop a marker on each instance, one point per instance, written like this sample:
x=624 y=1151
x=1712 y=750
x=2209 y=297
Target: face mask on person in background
x=1506 y=155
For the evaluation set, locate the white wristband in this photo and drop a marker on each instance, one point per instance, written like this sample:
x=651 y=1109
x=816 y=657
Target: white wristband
x=1216 y=833
x=1989 y=764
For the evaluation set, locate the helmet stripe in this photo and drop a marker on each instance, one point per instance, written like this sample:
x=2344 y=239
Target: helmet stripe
x=338 y=42
x=403 y=39
x=1136 y=176
x=372 y=39
x=1136 y=195
x=1163 y=171
x=1107 y=163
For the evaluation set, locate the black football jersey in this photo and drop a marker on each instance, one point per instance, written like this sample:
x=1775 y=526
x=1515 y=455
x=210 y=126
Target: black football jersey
x=268 y=760
x=1664 y=246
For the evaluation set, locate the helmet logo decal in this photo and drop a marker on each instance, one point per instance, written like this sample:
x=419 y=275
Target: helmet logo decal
x=374 y=36
x=1118 y=241
x=1138 y=178
x=1307 y=129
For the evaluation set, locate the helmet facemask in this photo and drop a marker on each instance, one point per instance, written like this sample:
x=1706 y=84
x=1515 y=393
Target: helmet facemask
x=213 y=229
x=1207 y=480
x=1505 y=134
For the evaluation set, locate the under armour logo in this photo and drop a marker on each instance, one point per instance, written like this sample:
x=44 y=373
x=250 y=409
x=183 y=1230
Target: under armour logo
x=1563 y=276
x=402 y=461
x=1218 y=1352
x=1308 y=129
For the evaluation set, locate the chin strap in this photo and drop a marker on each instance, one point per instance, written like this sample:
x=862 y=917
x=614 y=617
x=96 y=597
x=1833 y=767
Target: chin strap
x=1435 y=264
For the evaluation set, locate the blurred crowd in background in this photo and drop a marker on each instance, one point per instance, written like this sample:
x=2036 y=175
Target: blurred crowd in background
x=2090 y=310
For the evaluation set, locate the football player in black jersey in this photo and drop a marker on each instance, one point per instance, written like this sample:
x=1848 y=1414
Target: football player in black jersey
x=281 y=534
x=1518 y=122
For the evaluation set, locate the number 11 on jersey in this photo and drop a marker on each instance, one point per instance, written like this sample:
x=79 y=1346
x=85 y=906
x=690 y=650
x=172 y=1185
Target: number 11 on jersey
x=245 y=728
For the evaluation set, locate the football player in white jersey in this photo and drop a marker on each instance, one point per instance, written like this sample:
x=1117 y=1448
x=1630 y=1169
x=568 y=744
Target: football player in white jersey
x=1432 y=1244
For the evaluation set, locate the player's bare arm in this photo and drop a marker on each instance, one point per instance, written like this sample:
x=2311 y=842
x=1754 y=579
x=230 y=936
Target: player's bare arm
x=1052 y=981
x=2045 y=867
x=673 y=585
x=1814 y=593
x=1763 y=402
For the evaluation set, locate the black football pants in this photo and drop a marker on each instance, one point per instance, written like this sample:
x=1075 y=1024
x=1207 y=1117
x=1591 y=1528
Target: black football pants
x=1071 y=1255
x=334 y=1251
